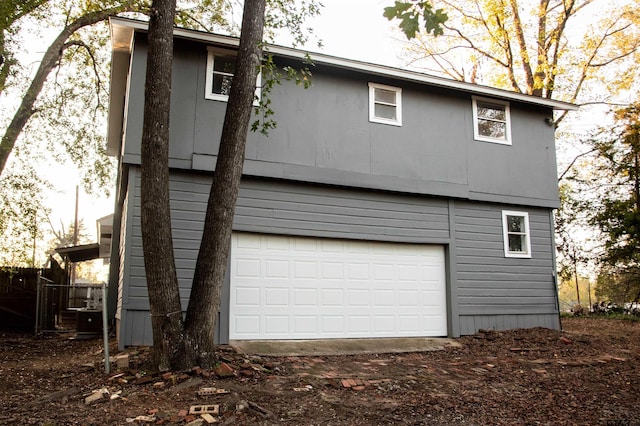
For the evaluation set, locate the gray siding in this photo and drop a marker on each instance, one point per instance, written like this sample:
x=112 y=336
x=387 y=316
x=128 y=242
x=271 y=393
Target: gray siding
x=326 y=171
x=324 y=136
x=496 y=292
x=271 y=207
x=485 y=289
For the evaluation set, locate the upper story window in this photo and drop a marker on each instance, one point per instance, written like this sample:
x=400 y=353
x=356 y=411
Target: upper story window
x=385 y=104
x=491 y=121
x=221 y=65
x=517 y=239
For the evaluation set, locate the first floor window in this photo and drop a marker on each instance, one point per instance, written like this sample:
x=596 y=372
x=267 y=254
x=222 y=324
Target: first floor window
x=385 y=104
x=221 y=64
x=517 y=241
x=491 y=121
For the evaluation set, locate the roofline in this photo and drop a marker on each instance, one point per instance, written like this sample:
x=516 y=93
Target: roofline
x=122 y=34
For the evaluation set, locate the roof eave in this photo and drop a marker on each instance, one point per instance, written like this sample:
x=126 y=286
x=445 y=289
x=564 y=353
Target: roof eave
x=122 y=26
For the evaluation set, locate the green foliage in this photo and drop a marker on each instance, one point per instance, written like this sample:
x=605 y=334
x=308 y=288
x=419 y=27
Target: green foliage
x=617 y=207
x=609 y=191
x=618 y=285
x=21 y=211
x=290 y=16
x=12 y=13
x=273 y=76
x=410 y=15
x=579 y=51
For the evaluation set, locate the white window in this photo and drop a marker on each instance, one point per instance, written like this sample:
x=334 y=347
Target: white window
x=385 y=104
x=517 y=240
x=491 y=121
x=221 y=65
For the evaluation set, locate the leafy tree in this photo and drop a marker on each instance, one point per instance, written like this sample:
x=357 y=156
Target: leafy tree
x=67 y=237
x=574 y=254
x=49 y=116
x=615 y=206
x=21 y=210
x=412 y=14
x=550 y=48
x=11 y=12
x=59 y=112
x=64 y=42
x=581 y=51
x=618 y=287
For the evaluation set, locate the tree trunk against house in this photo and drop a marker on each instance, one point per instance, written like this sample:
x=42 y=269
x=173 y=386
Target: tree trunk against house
x=211 y=265
x=157 y=242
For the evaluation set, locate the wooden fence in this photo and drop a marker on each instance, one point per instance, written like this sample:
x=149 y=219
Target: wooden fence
x=18 y=291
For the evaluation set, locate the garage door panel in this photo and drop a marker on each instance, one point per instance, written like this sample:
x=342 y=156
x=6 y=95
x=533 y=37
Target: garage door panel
x=249 y=268
x=384 y=298
x=275 y=269
x=276 y=325
x=306 y=288
x=305 y=324
x=278 y=297
x=332 y=297
x=248 y=296
x=247 y=325
x=305 y=297
x=332 y=270
x=332 y=325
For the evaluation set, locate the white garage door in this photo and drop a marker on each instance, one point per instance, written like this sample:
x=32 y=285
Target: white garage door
x=311 y=288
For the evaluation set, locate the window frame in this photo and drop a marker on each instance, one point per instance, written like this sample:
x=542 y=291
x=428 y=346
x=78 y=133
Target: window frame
x=527 y=234
x=476 y=131
x=372 y=104
x=212 y=52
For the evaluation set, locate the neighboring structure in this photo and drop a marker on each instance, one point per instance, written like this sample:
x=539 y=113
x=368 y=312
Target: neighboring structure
x=386 y=202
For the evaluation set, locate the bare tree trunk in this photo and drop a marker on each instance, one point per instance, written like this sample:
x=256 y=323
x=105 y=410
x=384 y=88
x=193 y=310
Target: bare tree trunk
x=211 y=266
x=157 y=242
x=50 y=60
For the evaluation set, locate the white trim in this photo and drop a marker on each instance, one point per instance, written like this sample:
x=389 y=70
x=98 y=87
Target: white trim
x=372 y=104
x=122 y=24
x=507 y=110
x=208 y=91
x=212 y=52
x=293 y=287
x=527 y=234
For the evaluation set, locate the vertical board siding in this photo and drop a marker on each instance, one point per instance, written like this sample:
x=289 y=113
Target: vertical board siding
x=495 y=292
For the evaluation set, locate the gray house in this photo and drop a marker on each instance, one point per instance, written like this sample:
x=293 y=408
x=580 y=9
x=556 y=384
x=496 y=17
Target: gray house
x=386 y=202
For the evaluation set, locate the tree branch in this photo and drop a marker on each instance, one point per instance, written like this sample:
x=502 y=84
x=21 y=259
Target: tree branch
x=49 y=61
x=94 y=64
x=566 y=170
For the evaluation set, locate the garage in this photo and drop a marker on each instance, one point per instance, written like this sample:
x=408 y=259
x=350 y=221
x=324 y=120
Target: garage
x=286 y=287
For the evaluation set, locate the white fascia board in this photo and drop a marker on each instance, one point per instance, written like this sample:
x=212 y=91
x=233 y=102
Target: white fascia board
x=364 y=67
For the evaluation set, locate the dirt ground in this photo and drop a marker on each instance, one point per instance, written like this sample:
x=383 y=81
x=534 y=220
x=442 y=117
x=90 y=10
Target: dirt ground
x=589 y=374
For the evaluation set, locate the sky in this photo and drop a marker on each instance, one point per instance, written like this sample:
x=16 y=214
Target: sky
x=356 y=29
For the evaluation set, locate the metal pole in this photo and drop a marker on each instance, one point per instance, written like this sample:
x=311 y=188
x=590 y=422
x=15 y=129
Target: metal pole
x=38 y=284
x=105 y=330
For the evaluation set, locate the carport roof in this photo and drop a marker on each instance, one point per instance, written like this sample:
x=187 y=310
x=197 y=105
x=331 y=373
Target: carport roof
x=80 y=253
